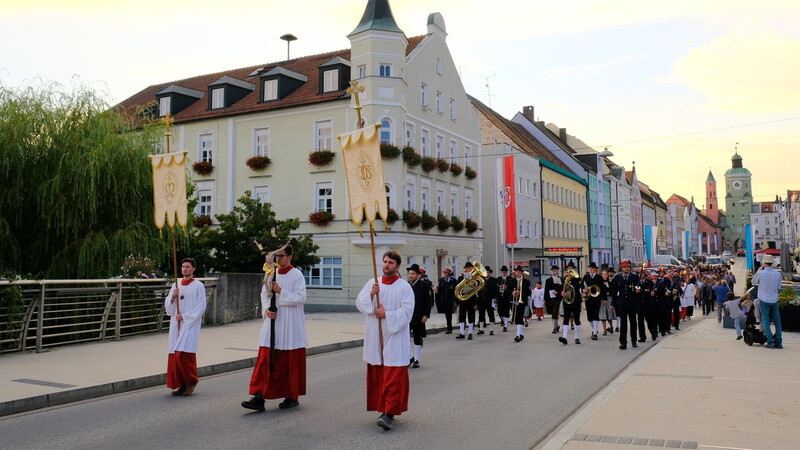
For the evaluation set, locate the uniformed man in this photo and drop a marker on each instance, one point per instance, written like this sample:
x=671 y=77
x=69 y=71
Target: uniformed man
x=519 y=296
x=445 y=297
x=572 y=311
x=647 y=307
x=663 y=299
x=423 y=302
x=552 y=296
x=487 y=297
x=593 y=303
x=505 y=286
x=466 y=308
x=624 y=288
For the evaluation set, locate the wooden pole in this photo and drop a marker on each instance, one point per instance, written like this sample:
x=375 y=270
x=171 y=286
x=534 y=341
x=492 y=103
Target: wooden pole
x=175 y=273
x=375 y=276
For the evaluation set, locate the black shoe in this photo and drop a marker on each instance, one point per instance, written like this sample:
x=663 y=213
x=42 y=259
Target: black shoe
x=415 y=364
x=634 y=345
x=460 y=336
x=623 y=347
x=448 y=332
x=577 y=341
x=538 y=319
x=594 y=336
x=655 y=336
x=385 y=421
x=616 y=329
x=521 y=337
x=480 y=332
x=779 y=346
x=179 y=391
x=411 y=362
x=505 y=329
x=491 y=332
x=663 y=334
x=469 y=337
x=255 y=403
x=517 y=339
x=669 y=332
x=572 y=327
x=555 y=330
x=642 y=340
x=738 y=338
x=563 y=340
x=288 y=403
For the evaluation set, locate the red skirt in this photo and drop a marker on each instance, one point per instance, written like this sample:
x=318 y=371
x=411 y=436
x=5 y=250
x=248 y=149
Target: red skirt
x=387 y=389
x=181 y=369
x=287 y=380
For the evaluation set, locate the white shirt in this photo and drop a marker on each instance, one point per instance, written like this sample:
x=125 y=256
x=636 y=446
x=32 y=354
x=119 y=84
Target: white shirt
x=538 y=297
x=397 y=300
x=688 y=295
x=290 y=323
x=192 y=300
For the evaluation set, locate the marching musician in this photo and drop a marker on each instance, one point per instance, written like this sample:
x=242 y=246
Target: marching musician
x=466 y=308
x=593 y=303
x=572 y=311
x=505 y=284
x=624 y=288
x=647 y=307
x=663 y=296
x=552 y=296
x=487 y=297
x=519 y=296
x=445 y=297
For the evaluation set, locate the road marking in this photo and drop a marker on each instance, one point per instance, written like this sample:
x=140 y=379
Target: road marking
x=45 y=383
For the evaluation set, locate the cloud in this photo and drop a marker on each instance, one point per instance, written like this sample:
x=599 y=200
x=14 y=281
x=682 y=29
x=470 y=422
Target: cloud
x=752 y=73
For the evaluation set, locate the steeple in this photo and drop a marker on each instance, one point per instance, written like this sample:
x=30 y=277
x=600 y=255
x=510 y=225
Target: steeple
x=377 y=16
x=710 y=178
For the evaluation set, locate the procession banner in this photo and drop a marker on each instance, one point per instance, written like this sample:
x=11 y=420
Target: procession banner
x=169 y=189
x=509 y=200
x=364 y=173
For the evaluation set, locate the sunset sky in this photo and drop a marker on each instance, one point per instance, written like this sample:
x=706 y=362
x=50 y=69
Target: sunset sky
x=672 y=85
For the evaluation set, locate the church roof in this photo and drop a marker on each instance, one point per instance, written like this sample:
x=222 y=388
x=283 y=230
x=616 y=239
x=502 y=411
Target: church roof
x=710 y=178
x=377 y=16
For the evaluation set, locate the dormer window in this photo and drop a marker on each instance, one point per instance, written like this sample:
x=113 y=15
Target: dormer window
x=175 y=99
x=270 y=90
x=330 y=80
x=217 y=98
x=164 y=106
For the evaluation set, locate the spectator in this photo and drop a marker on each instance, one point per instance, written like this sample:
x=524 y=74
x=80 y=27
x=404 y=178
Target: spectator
x=721 y=291
x=768 y=281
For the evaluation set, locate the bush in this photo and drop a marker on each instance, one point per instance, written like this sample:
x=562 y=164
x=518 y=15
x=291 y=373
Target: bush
x=411 y=157
x=411 y=219
x=321 y=158
x=138 y=267
x=389 y=151
x=457 y=224
x=471 y=226
x=428 y=164
x=258 y=163
x=428 y=221
x=442 y=222
x=202 y=221
x=470 y=173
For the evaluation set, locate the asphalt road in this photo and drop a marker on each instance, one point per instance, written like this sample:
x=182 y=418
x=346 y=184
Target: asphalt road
x=486 y=393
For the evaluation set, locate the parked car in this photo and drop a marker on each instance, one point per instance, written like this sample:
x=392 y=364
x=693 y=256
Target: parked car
x=713 y=260
x=726 y=254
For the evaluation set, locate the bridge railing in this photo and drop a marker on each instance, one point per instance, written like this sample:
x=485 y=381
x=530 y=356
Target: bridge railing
x=59 y=312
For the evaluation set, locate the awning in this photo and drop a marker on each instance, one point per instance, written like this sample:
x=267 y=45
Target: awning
x=768 y=251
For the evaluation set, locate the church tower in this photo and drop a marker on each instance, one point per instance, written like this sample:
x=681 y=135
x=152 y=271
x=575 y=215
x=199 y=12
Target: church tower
x=738 y=203
x=712 y=205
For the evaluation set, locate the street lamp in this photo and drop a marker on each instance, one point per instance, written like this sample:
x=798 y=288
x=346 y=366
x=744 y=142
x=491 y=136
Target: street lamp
x=288 y=37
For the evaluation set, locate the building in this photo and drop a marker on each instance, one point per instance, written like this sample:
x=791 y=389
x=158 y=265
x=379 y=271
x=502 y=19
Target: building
x=738 y=203
x=637 y=221
x=711 y=221
x=684 y=218
x=290 y=109
x=767 y=225
x=620 y=188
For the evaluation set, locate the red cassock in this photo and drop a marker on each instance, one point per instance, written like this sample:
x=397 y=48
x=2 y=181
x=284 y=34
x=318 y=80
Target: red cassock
x=181 y=369
x=387 y=389
x=287 y=380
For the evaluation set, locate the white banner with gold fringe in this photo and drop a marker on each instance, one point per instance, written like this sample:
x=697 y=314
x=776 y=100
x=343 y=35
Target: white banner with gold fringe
x=362 y=165
x=169 y=189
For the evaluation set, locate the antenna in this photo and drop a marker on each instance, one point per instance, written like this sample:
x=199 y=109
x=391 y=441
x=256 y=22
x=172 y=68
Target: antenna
x=488 y=90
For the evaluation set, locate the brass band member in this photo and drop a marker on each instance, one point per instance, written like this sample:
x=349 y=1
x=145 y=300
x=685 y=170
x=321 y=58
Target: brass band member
x=593 y=303
x=520 y=294
x=487 y=297
x=552 y=296
x=466 y=309
x=505 y=285
x=647 y=307
x=624 y=288
x=446 y=298
x=572 y=311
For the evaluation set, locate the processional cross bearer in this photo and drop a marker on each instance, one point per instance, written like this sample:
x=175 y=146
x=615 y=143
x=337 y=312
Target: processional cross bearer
x=270 y=268
x=365 y=186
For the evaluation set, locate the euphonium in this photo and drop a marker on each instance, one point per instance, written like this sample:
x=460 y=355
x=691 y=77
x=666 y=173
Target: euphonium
x=471 y=286
x=594 y=291
x=568 y=288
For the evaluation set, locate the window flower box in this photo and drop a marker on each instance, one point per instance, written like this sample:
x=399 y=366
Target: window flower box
x=202 y=221
x=471 y=226
x=442 y=222
x=470 y=173
x=203 y=167
x=391 y=216
x=411 y=219
x=428 y=164
x=442 y=165
x=321 y=218
x=455 y=169
x=321 y=158
x=428 y=221
x=258 y=163
x=389 y=151
x=456 y=223
x=411 y=157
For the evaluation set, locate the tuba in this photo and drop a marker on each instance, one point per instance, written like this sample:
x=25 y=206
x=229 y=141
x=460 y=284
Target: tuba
x=594 y=291
x=569 y=289
x=471 y=286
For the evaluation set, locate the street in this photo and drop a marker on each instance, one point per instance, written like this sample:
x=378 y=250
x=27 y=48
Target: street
x=486 y=393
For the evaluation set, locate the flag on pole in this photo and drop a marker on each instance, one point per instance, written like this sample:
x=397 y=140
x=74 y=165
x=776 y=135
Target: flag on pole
x=509 y=201
x=169 y=189
x=364 y=174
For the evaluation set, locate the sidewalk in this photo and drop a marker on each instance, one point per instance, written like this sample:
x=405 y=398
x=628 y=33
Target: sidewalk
x=699 y=388
x=78 y=372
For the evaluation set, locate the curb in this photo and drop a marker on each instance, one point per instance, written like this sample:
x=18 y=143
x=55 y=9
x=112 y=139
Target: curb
x=119 y=387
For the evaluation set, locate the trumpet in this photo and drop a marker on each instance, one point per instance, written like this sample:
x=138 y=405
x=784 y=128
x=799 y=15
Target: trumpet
x=468 y=287
x=592 y=291
x=519 y=301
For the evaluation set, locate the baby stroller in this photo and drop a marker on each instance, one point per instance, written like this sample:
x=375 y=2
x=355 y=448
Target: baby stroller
x=752 y=333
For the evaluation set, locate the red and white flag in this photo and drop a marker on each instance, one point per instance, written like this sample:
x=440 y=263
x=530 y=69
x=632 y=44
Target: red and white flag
x=509 y=202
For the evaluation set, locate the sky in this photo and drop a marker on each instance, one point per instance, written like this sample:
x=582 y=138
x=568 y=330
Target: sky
x=674 y=86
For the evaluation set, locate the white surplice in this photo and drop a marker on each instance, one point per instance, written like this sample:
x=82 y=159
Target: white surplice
x=397 y=300
x=290 y=323
x=193 y=305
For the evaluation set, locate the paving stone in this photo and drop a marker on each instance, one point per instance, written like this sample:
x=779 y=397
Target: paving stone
x=689 y=444
x=674 y=444
x=640 y=441
x=624 y=440
x=593 y=438
x=579 y=437
x=656 y=443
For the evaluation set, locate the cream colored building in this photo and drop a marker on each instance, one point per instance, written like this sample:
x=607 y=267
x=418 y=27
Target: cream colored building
x=286 y=110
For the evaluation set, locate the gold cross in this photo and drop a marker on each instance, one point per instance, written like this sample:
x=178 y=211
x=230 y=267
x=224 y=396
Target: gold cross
x=168 y=120
x=354 y=90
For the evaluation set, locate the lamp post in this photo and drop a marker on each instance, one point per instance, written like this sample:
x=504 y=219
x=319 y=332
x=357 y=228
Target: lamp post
x=620 y=236
x=288 y=37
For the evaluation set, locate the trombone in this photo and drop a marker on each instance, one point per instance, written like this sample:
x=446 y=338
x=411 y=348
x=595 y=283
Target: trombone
x=519 y=301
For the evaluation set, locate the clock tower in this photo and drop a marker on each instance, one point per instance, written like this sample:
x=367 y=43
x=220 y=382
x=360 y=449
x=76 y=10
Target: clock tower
x=738 y=203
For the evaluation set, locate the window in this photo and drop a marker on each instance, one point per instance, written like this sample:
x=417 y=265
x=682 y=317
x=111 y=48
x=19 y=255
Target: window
x=270 y=90
x=389 y=201
x=426 y=138
x=409 y=138
x=164 y=106
x=527 y=187
x=217 y=98
x=207 y=148
x=453 y=151
x=426 y=198
x=521 y=231
x=261 y=142
x=535 y=189
x=204 y=202
x=385 y=70
x=324 y=196
x=468 y=204
x=454 y=201
x=361 y=71
x=453 y=114
x=331 y=80
x=439 y=104
x=440 y=146
x=440 y=206
x=323 y=134
x=326 y=273
x=386 y=132
x=411 y=194
x=438 y=65
x=467 y=156
x=528 y=228
x=424 y=95
x=261 y=193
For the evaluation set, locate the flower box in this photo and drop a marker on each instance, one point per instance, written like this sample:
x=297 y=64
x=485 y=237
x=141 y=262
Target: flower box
x=202 y=221
x=389 y=151
x=471 y=226
x=203 y=167
x=411 y=219
x=391 y=216
x=457 y=224
x=455 y=169
x=442 y=165
x=428 y=221
x=258 y=163
x=411 y=157
x=442 y=222
x=428 y=164
x=470 y=173
x=321 y=158
x=321 y=218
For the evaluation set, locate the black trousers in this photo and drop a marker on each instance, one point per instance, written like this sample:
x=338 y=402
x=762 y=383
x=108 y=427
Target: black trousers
x=466 y=310
x=572 y=312
x=647 y=314
x=418 y=332
x=485 y=309
x=676 y=314
x=708 y=306
x=664 y=312
x=503 y=308
x=625 y=324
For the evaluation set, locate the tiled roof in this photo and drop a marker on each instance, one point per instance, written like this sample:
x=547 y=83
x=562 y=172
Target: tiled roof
x=522 y=140
x=306 y=94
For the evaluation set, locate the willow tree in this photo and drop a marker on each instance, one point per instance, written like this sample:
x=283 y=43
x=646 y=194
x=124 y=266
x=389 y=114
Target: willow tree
x=75 y=184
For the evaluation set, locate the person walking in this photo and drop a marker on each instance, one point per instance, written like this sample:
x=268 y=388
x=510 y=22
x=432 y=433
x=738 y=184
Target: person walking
x=552 y=296
x=185 y=304
x=624 y=289
x=466 y=307
x=487 y=298
x=606 y=313
x=423 y=301
x=281 y=372
x=768 y=281
x=721 y=294
x=445 y=297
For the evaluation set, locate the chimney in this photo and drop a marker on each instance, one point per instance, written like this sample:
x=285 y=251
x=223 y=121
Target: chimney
x=562 y=133
x=527 y=111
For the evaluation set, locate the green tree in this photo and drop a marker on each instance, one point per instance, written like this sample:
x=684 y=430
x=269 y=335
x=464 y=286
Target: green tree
x=75 y=184
x=230 y=248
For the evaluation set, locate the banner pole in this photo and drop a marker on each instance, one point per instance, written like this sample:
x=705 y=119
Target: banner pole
x=375 y=276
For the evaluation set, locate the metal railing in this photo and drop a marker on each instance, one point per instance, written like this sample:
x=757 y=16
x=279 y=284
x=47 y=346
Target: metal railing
x=59 y=312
